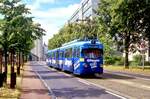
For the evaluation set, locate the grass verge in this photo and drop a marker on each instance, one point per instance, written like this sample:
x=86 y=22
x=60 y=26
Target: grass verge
x=132 y=69
x=6 y=92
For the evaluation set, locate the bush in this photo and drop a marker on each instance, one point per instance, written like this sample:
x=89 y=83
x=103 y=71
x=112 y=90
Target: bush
x=147 y=63
x=110 y=60
x=133 y=63
x=137 y=60
x=120 y=61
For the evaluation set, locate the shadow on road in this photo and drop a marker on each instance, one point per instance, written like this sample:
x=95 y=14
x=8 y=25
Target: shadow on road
x=114 y=76
x=105 y=76
x=45 y=72
x=55 y=77
x=75 y=92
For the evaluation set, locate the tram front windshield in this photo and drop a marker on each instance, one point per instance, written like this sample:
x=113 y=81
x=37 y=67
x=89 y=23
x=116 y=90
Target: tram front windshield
x=91 y=53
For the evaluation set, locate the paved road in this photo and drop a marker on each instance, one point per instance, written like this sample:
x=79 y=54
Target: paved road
x=128 y=74
x=65 y=86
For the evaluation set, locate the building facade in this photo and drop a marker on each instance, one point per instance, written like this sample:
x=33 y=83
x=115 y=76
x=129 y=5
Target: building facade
x=37 y=53
x=86 y=10
x=45 y=51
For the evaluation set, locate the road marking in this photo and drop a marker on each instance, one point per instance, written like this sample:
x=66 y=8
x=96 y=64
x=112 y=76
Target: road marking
x=45 y=84
x=83 y=81
x=113 y=92
x=65 y=74
x=115 y=95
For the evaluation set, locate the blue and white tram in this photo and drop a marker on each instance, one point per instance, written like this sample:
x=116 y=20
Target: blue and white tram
x=79 y=57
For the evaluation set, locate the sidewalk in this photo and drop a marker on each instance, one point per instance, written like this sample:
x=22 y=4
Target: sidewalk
x=32 y=87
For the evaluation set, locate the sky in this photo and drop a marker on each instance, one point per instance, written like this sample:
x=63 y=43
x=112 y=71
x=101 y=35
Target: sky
x=51 y=14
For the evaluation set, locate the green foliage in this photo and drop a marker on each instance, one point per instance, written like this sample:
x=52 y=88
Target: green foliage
x=124 y=20
x=137 y=58
x=120 y=61
x=17 y=30
x=114 y=60
x=109 y=60
x=72 y=31
x=137 y=61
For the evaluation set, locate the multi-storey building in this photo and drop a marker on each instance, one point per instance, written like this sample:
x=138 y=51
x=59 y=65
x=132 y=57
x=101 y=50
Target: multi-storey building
x=86 y=10
x=37 y=53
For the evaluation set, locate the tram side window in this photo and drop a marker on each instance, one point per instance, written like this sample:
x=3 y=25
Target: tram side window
x=53 y=55
x=74 y=52
x=57 y=54
x=61 y=54
x=78 y=52
x=70 y=52
x=49 y=55
x=66 y=53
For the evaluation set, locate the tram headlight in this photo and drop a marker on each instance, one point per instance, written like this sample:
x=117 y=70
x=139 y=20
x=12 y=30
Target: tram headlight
x=81 y=59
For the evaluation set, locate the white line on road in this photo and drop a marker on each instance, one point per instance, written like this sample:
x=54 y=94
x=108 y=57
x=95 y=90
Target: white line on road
x=83 y=81
x=45 y=84
x=110 y=91
x=115 y=95
x=65 y=74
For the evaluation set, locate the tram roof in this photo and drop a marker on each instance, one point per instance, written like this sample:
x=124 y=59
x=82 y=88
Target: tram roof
x=75 y=43
x=80 y=43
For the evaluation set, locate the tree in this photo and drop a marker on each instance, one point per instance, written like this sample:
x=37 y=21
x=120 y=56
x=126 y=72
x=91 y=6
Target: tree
x=105 y=30
x=142 y=18
x=16 y=27
x=118 y=18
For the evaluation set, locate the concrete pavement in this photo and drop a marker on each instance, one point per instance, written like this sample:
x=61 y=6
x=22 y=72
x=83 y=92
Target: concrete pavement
x=32 y=87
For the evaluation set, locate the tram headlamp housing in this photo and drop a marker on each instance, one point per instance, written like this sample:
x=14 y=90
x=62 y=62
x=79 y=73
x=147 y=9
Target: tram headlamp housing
x=81 y=59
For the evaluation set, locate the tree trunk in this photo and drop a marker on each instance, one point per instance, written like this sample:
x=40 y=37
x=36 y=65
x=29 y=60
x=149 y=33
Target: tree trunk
x=12 y=62
x=26 y=58
x=5 y=64
x=22 y=60
x=149 y=49
x=18 y=67
x=126 y=61
x=13 y=74
x=1 y=56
